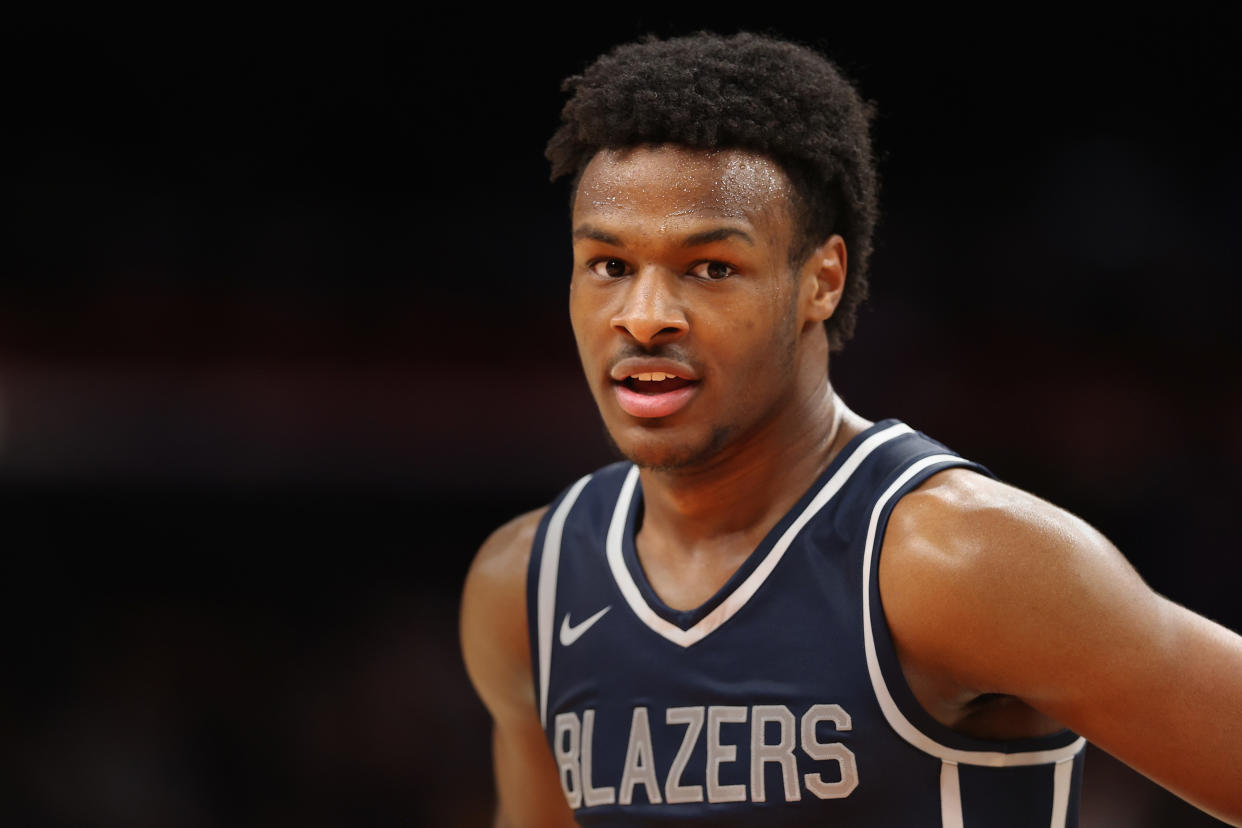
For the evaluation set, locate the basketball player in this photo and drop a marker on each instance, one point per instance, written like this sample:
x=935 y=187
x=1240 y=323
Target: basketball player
x=777 y=612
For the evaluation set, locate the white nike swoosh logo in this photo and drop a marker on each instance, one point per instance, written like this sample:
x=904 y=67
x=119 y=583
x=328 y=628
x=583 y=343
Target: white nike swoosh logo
x=570 y=634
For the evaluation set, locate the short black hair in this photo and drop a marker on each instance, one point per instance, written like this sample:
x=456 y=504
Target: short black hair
x=750 y=92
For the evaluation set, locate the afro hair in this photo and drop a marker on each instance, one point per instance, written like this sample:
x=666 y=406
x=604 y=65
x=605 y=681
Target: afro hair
x=748 y=92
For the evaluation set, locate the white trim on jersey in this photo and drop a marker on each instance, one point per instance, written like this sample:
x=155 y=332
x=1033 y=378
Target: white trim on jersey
x=896 y=719
x=735 y=601
x=1062 y=780
x=950 y=796
x=549 y=565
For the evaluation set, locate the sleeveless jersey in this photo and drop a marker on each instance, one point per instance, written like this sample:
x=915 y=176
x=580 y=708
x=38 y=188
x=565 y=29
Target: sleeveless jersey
x=780 y=701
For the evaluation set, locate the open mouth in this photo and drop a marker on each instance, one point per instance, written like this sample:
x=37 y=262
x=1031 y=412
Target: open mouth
x=655 y=383
x=654 y=395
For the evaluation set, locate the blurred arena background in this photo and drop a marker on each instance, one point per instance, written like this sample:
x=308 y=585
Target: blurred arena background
x=283 y=337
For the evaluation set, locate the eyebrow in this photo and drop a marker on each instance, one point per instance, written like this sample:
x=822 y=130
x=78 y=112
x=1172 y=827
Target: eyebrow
x=719 y=234
x=588 y=231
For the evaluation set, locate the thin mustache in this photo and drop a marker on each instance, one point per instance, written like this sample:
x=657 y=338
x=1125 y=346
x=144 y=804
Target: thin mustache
x=669 y=352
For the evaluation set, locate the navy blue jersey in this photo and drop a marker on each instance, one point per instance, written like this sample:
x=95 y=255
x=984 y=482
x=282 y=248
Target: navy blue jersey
x=780 y=701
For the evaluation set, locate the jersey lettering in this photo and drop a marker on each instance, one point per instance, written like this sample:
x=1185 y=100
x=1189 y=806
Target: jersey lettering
x=773 y=740
x=639 y=761
x=718 y=753
x=815 y=749
x=782 y=752
x=591 y=795
x=565 y=745
x=692 y=718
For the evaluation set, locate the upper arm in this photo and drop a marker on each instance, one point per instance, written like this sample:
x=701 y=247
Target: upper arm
x=1001 y=592
x=496 y=649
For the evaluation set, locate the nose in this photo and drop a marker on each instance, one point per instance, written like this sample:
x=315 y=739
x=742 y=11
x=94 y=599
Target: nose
x=651 y=310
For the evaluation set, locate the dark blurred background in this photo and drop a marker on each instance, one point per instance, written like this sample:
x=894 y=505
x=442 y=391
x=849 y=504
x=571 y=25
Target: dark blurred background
x=283 y=336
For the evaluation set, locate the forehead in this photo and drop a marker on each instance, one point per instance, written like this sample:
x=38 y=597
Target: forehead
x=677 y=181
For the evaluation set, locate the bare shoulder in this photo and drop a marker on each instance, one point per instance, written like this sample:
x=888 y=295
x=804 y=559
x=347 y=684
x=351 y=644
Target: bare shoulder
x=989 y=589
x=496 y=646
x=968 y=526
x=502 y=559
x=964 y=519
x=977 y=577
x=493 y=617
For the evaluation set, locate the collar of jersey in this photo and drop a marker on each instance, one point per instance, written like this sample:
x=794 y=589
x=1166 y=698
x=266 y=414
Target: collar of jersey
x=686 y=627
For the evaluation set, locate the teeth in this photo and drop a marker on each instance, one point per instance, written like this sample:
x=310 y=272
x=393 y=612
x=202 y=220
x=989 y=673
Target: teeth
x=654 y=376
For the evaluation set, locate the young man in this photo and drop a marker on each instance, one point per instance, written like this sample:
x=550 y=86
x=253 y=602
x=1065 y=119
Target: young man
x=778 y=612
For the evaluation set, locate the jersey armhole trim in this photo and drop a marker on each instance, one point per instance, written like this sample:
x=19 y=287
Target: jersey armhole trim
x=545 y=606
x=892 y=712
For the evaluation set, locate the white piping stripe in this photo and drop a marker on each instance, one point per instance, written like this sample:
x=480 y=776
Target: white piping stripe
x=549 y=564
x=743 y=593
x=896 y=719
x=1062 y=778
x=950 y=796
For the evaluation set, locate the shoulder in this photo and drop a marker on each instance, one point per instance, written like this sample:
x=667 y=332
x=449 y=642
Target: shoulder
x=989 y=584
x=502 y=559
x=494 y=636
x=988 y=589
x=965 y=521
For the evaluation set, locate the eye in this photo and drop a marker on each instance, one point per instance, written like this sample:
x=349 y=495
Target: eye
x=611 y=268
x=713 y=271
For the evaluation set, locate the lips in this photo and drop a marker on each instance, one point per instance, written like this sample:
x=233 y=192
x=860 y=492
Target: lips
x=651 y=389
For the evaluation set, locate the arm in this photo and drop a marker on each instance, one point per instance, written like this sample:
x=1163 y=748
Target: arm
x=995 y=591
x=496 y=648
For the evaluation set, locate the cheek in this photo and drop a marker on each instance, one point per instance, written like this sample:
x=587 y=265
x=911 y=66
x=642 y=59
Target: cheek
x=769 y=315
x=587 y=315
x=577 y=305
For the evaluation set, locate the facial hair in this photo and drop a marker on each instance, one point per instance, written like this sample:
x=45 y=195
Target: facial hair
x=690 y=457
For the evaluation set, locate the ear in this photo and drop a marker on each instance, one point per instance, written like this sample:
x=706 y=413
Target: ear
x=823 y=279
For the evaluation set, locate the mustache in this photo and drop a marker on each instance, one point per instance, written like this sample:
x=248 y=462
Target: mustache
x=671 y=352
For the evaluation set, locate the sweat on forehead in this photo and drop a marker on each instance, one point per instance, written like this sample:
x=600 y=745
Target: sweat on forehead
x=727 y=182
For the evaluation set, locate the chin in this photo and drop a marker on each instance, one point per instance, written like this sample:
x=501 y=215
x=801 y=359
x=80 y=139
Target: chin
x=667 y=452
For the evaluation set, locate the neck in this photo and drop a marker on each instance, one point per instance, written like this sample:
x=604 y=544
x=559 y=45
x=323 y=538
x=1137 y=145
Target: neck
x=740 y=494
